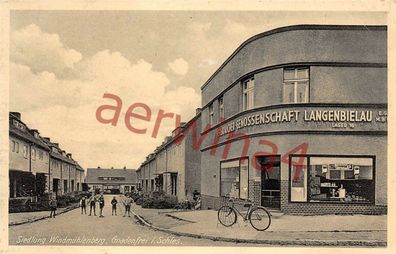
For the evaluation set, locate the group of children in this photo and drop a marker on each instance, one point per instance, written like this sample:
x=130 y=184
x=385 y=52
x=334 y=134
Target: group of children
x=127 y=202
x=92 y=200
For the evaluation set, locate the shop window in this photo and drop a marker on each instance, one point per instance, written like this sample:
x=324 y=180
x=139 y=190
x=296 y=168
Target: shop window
x=234 y=178
x=296 y=85
x=211 y=114
x=333 y=179
x=221 y=109
x=248 y=94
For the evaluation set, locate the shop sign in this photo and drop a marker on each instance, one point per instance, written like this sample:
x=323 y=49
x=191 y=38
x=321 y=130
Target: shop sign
x=337 y=118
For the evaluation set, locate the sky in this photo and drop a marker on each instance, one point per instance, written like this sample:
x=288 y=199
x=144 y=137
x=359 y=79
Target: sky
x=63 y=62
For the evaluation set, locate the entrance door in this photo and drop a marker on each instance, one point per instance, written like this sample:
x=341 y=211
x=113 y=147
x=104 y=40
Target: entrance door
x=55 y=186
x=270 y=181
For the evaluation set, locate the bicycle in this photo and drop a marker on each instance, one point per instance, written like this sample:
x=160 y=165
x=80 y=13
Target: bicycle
x=258 y=216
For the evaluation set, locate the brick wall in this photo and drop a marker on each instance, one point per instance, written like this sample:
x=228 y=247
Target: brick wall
x=254 y=191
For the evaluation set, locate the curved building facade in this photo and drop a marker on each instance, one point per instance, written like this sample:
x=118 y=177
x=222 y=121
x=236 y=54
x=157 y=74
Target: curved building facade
x=296 y=119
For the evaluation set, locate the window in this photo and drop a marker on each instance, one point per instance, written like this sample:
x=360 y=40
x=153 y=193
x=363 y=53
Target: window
x=234 y=178
x=248 y=94
x=33 y=154
x=41 y=155
x=296 y=85
x=111 y=178
x=17 y=147
x=345 y=179
x=221 y=109
x=173 y=177
x=13 y=146
x=211 y=114
x=25 y=151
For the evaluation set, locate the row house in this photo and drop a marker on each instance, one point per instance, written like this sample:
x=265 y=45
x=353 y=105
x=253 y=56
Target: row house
x=37 y=165
x=174 y=166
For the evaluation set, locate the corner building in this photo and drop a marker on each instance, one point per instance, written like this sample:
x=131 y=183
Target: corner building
x=305 y=122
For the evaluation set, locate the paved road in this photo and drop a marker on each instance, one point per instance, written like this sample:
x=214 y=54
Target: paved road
x=72 y=228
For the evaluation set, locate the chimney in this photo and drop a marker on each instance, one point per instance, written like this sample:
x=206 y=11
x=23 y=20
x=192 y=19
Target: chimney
x=56 y=144
x=197 y=111
x=47 y=138
x=69 y=155
x=98 y=167
x=16 y=114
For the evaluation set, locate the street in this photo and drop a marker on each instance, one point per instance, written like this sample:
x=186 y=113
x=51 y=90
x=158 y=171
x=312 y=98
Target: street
x=72 y=228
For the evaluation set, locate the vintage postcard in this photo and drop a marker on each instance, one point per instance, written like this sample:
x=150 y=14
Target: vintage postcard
x=131 y=126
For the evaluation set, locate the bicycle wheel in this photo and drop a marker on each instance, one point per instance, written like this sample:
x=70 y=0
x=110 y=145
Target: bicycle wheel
x=260 y=218
x=227 y=216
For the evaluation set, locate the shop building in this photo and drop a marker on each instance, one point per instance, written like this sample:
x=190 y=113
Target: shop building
x=112 y=180
x=39 y=166
x=174 y=166
x=297 y=121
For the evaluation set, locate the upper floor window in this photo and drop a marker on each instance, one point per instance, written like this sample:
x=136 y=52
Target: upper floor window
x=248 y=94
x=296 y=85
x=41 y=155
x=25 y=151
x=33 y=154
x=211 y=114
x=221 y=109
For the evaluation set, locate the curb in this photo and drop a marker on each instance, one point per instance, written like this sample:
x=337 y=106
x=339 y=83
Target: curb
x=302 y=242
x=68 y=209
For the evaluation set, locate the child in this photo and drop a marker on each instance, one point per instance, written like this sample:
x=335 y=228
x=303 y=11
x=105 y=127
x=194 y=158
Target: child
x=92 y=204
x=101 y=205
x=53 y=204
x=114 y=206
x=83 y=205
x=127 y=203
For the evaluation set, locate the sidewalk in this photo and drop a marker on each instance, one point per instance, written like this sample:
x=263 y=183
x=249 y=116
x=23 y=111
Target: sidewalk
x=28 y=217
x=342 y=230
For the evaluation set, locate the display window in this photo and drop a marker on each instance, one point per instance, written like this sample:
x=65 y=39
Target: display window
x=340 y=179
x=234 y=178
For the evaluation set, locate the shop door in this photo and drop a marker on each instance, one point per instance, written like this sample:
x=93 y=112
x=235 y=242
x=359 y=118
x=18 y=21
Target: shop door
x=270 y=181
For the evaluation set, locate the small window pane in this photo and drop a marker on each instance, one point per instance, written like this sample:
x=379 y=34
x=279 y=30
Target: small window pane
x=302 y=92
x=302 y=74
x=289 y=74
x=288 y=93
x=251 y=100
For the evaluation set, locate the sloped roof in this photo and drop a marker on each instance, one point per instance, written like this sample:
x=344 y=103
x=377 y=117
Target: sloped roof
x=25 y=135
x=39 y=141
x=94 y=173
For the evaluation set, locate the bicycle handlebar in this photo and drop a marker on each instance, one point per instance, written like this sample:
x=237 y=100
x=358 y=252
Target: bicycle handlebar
x=232 y=199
